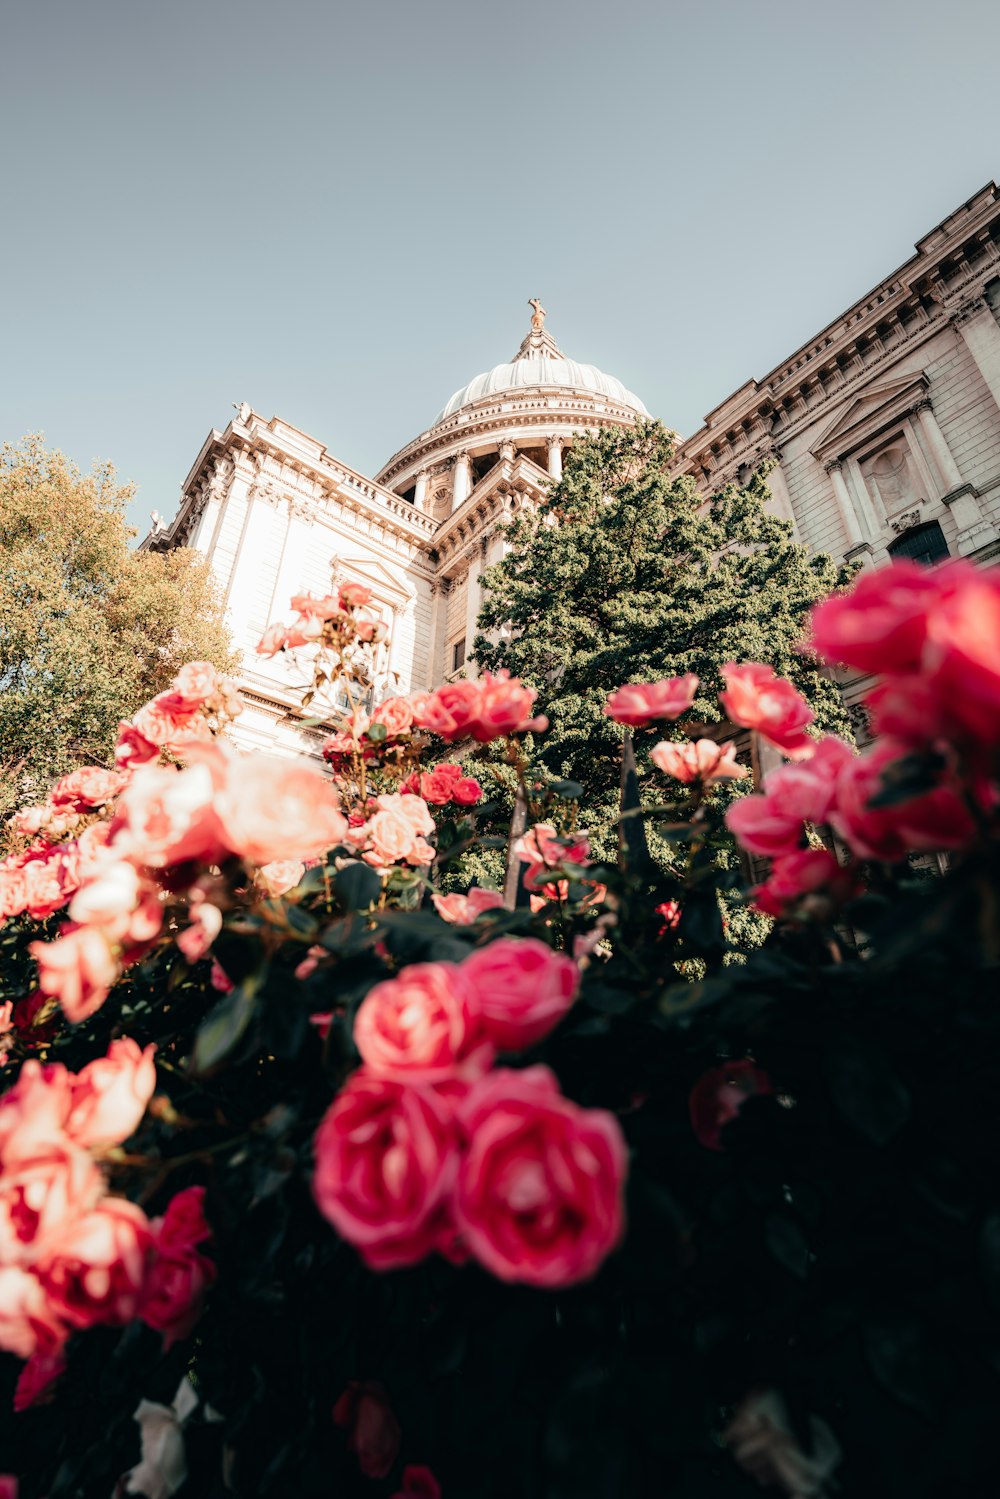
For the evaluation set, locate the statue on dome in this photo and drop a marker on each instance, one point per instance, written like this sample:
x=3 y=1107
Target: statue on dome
x=538 y=316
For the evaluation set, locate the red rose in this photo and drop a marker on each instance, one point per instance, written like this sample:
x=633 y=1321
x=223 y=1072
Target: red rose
x=935 y=819
x=373 y=1432
x=385 y=1163
x=522 y=988
x=423 y=1021
x=418 y=1483
x=718 y=1096
x=179 y=1275
x=880 y=624
x=37 y=1380
x=539 y=1196
x=808 y=872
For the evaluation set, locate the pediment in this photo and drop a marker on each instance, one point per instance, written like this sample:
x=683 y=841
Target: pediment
x=875 y=407
x=381 y=579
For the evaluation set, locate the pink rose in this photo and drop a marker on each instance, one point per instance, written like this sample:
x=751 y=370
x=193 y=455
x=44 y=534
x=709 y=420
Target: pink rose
x=880 y=623
x=810 y=878
x=373 y=1433
x=641 y=703
x=961 y=654
x=29 y=1325
x=35 y=1109
x=395 y=715
x=77 y=968
x=179 y=1276
x=46 y=1185
x=354 y=595
x=718 y=1096
x=423 y=1021
x=486 y=709
x=418 y=1483
x=936 y=819
x=701 y=760
x=271 y=809
x=37 y=1380
x=95 y=1271
x=48 y=879
x=395 y=832
x=386 y=1156
x=463 y=910
x=545 y=853
x=539 y=1195
x=280 y=876
x=162 y=719
x=87 y=788
x=522 y=988
x=9 y=1486
x=316 y=608
x=166 y=817
x=773 y=822
x=110 y=1095
x=273 y=640
x=757 y=699
x=467 y=791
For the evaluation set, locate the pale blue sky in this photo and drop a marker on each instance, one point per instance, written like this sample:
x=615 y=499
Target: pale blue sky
x=337 y=212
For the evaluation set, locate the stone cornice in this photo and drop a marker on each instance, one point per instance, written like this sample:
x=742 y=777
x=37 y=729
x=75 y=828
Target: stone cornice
x=952 y=266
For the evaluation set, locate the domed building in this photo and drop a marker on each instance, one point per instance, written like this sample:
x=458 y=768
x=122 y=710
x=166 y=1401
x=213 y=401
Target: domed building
x=275 y=513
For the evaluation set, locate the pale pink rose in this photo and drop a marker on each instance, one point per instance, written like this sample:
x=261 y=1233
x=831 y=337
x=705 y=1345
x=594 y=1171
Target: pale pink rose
x=373 y=1433
x=698 y=760
x=545 y=852
x=280 y=876
x=195 y=684
x=110 y=1095
x=78 y=968
x=316 y=608
x=46 y=1185
x=48 y=879
x=35 y=1109
x=395 y=714
x=757 y=699
x=541 y=1181
x=271 y=809
x=179 y=1275
x=305 y=631
x=95 y=1271
x=522 y=989
x=113 y=892
x=810 y=881
x=37 y=1380
x=880 y=623
x=206 y=924
x=133 y=748
x=937 y=819
x=29 y=1326
x=162 y=719
x=90 y=848
x=371 y=631
x=413 y=808
x=386 y=1156
x=394 y=832
x=773 y=823
x=168 y=817
x=465 y=909
x=423 y=1021
x=273 y=640
x=641 y=703
x=87 y=788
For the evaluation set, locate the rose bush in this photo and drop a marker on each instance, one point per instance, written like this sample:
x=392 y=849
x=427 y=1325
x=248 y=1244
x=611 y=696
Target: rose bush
x=331 y=1169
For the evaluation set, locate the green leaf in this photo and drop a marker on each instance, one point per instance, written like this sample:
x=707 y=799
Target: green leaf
x=224 y=1025
x=356 y=885
x=866 y=1089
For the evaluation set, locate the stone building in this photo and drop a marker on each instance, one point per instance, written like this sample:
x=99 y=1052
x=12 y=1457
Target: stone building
x=883 y=429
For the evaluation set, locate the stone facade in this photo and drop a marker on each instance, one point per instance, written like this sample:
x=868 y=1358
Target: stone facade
x=883 y=432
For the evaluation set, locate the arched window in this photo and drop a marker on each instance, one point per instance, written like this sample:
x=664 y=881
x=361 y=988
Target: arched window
x=922 y=544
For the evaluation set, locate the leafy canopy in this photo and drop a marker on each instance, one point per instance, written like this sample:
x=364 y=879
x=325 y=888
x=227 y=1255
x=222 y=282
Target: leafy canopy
x=626 y=573
x=88 y=626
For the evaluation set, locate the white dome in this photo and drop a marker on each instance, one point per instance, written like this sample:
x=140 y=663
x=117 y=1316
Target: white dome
x=546 y=372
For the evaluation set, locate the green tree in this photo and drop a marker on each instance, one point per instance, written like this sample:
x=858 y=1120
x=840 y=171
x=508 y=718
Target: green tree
x=625 y=573
x=89 y=628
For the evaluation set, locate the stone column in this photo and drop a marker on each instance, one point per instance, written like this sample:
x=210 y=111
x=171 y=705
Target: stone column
x=778 y=486
x=473 y=600
x=980 y=332
x=420 y=491
x=554 y=445
x=939 y=449
x=845 y=504
x=463 y=480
